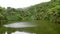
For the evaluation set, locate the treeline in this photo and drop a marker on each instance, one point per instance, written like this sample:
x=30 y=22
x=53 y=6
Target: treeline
x=49 y=11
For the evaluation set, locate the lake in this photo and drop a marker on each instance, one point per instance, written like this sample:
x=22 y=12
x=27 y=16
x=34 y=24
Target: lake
x=28 y=27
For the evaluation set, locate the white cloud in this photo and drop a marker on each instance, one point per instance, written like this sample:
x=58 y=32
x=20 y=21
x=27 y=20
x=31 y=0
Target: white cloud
x=20 y=3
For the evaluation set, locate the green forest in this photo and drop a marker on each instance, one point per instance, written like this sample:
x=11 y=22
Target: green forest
x=43 y=12
x=47 y=11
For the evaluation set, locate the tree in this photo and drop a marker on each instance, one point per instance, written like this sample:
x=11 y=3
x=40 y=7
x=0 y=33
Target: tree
x=55 y=14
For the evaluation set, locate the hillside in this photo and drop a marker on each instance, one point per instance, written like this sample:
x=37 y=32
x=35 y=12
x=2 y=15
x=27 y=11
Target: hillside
x=49 y=11
x=46 y=15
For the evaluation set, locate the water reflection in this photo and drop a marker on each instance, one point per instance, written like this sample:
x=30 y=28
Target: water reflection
x=20 y=28
x=4 y=30
x=18 y=32
x=20 y=25
x=42 y=28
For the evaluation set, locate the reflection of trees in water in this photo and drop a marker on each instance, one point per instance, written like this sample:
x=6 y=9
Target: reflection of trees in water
x=22 y=29
x=3 y=30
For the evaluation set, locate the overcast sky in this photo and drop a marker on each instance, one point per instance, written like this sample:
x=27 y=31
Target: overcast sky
x=20 y=3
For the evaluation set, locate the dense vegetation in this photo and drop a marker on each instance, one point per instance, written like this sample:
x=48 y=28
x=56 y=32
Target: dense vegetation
x=49 y=11
x=44 y=11
x=46 y=15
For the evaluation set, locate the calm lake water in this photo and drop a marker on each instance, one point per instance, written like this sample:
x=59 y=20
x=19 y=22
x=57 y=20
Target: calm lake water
x=33 y=27
x=18 y=32
x=20 y=25
x=19 y=28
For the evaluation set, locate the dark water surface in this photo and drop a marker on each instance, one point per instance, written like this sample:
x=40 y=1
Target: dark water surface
x=33 y=27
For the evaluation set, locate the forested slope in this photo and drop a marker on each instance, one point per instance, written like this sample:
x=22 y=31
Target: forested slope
x=49 y=11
